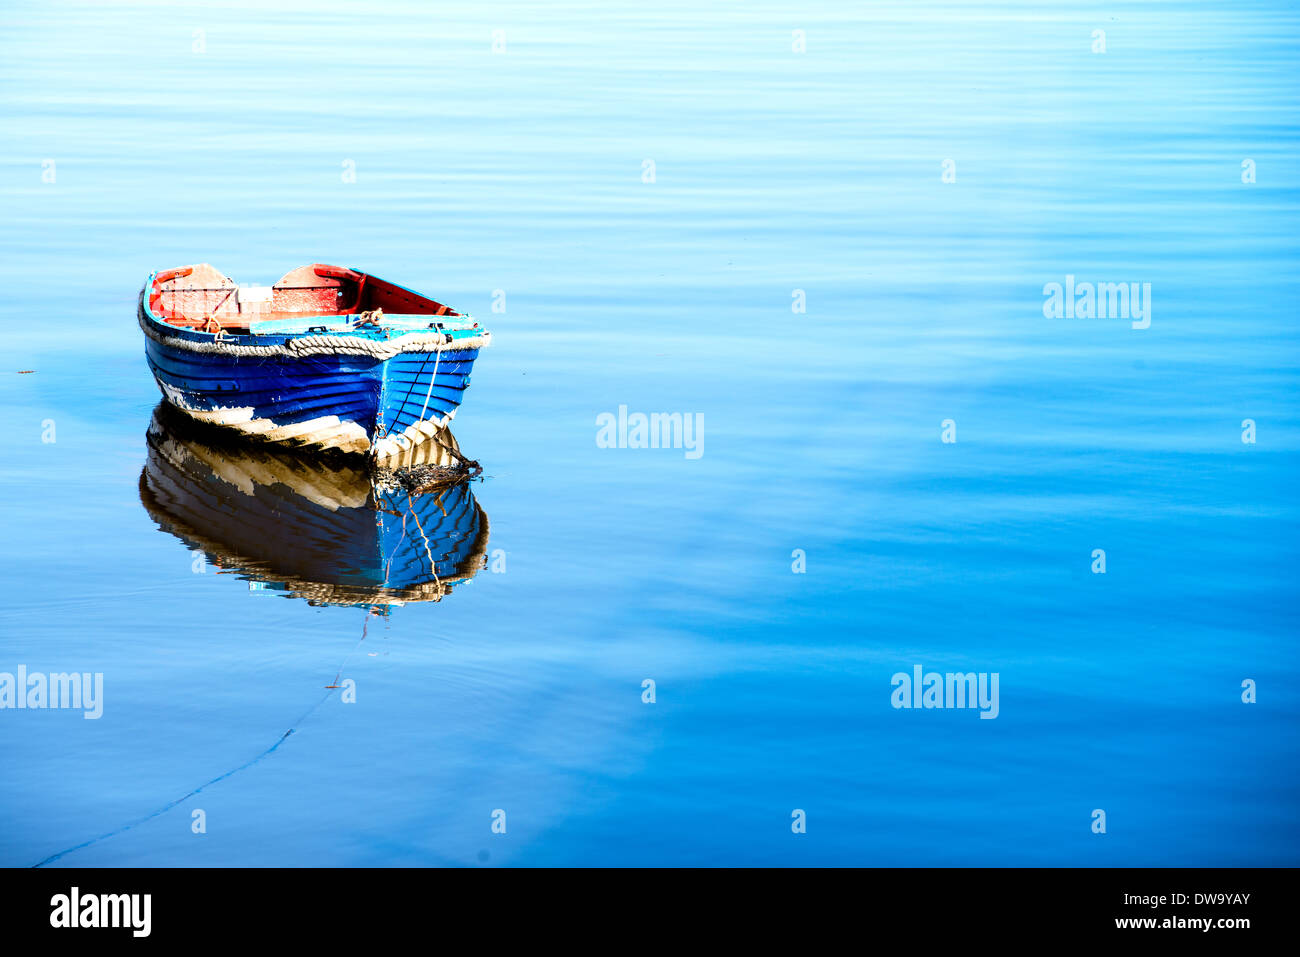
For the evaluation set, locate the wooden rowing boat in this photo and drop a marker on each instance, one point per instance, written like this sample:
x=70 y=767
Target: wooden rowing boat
x=326 y=358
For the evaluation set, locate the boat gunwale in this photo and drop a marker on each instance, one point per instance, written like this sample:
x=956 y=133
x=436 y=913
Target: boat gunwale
x=161 y=329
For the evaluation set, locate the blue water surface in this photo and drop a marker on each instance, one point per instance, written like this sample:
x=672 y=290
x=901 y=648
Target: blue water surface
x=826 y=230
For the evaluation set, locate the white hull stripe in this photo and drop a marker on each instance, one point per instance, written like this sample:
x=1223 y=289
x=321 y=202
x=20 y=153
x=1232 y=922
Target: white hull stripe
x=324 y=432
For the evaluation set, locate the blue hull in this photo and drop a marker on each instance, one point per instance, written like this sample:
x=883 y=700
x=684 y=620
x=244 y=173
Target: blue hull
x=356 y=403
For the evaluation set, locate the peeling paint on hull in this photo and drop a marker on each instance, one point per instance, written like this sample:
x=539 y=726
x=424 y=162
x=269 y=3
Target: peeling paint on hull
x=350 y=403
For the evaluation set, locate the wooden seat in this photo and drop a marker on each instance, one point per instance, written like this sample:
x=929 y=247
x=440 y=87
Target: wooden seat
x=201 y=297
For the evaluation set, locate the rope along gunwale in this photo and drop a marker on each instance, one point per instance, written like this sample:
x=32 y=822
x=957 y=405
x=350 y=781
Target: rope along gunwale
x=305 y=346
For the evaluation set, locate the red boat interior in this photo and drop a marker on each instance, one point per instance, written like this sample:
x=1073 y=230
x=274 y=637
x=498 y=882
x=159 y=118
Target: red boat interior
x=200 y=297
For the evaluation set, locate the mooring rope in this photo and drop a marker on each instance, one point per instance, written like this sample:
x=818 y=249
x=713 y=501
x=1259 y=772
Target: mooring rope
x=432 y=379
x=330 y=689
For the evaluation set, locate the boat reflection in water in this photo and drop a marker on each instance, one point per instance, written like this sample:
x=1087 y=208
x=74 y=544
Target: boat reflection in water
x=331 y=530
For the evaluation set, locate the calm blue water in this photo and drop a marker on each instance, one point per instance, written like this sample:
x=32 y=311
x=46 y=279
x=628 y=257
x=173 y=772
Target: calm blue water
x=228 y=135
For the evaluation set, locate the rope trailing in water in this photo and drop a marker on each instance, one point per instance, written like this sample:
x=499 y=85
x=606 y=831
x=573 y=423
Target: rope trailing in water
x=158 y=812
x=417 y=479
